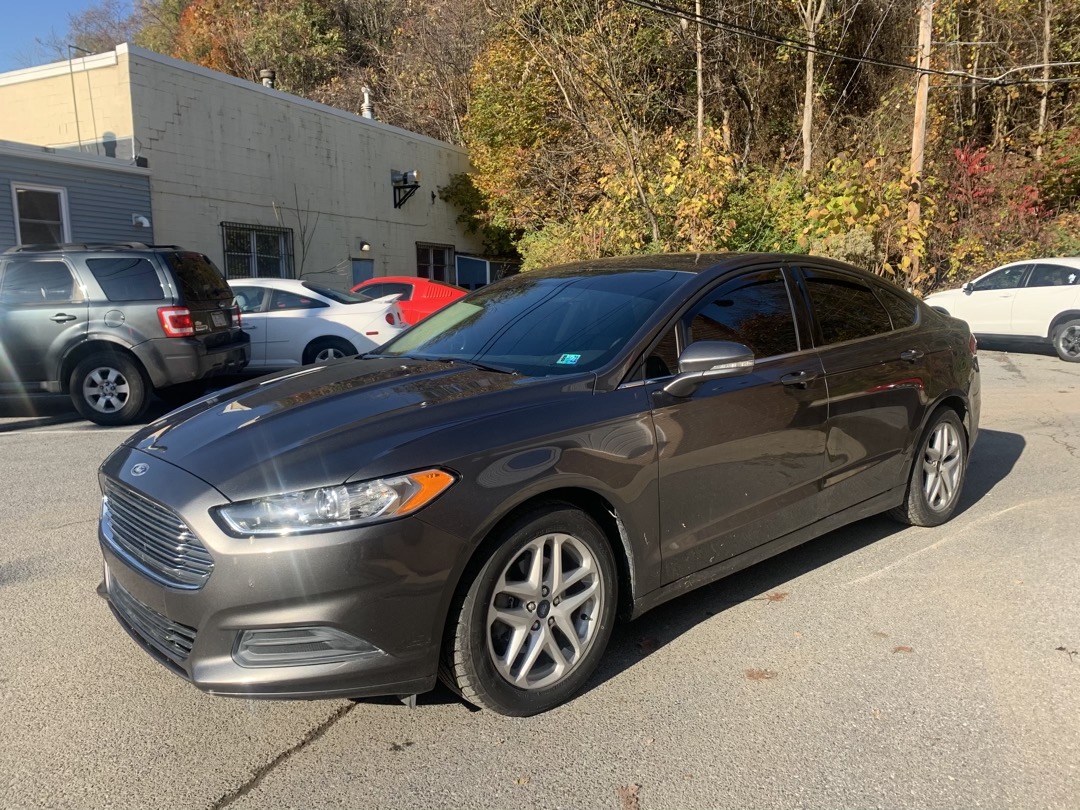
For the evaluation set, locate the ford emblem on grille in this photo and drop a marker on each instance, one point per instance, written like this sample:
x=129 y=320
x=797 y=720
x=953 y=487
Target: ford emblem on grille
x=140 y=468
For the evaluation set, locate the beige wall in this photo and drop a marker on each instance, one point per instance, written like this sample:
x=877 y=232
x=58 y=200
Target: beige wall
x=222 y=149
x=62 y=104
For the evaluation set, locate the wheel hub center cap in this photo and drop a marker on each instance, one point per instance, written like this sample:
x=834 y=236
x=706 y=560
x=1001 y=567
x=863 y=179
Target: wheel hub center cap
x=543 y=609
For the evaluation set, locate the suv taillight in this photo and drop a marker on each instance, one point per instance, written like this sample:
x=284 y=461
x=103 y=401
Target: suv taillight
x=176 y=321
x=236 y=315
x=973 y=345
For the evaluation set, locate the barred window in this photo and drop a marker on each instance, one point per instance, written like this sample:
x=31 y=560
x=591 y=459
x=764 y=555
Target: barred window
x=257 y=251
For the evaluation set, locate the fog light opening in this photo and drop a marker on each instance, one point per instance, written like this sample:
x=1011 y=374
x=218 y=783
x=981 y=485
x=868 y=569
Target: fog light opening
x=299 y=646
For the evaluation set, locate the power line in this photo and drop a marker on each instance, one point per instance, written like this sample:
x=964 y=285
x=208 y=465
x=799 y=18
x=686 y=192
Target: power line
x=799 y=45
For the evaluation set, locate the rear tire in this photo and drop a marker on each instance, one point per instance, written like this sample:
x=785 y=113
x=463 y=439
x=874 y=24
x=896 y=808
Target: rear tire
x=322 y=350
x=937 y=472
x=531 y=625
x=1067 y=341
x=109 y=389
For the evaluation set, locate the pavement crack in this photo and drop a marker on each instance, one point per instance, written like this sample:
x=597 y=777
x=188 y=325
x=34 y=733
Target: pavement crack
x=263 y=771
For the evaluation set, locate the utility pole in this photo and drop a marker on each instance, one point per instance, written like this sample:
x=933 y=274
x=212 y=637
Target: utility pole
x=918 y=132
x=1046 y=79
x=700 y=83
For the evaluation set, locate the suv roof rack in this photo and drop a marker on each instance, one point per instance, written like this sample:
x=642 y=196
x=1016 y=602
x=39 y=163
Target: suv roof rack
x=103 y=246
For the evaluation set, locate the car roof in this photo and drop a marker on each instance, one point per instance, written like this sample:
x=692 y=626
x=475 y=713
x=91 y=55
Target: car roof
x=1068 y=261
x=277 y=283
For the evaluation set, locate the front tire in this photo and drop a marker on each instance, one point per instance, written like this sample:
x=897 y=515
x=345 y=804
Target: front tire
x=532 y=624
x=1067 y=341
x=322 y=350
x=937 y=472
x=109 y=389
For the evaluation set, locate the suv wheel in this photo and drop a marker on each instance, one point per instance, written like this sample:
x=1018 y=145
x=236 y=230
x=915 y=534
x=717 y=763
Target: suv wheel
x=1067 y=341
x=109 y=389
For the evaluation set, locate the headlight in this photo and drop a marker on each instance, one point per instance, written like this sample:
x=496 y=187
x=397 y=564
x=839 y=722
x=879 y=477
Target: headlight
x=317 y=510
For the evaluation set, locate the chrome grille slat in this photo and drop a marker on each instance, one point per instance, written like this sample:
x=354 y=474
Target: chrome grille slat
x=153 y=539
x=169 y=638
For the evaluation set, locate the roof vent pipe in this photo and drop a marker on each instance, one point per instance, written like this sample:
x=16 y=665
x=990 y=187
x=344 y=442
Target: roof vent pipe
x=268 y=77
x=367 y=109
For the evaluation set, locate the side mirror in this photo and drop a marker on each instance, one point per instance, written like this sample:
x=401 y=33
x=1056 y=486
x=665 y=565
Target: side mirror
x=967 y=287
x=709 y=360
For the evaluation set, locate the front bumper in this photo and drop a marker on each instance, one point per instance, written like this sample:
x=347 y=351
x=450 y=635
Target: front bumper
x=385 y=585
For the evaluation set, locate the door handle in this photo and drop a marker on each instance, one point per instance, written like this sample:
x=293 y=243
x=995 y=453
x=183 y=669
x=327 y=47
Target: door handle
x=912 y=355
x=800 y=378
x=63 y=317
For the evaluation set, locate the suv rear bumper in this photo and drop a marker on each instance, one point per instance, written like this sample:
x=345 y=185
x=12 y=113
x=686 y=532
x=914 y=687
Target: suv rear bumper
x=171 y=361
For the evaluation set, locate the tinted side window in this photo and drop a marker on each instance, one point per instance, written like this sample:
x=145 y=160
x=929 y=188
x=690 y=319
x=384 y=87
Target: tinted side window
x=845 y=307
x=1052 y=275
x=754 y=310
x=199 y=279
x=39 y=283
x=127 y=278
x=903 y=311
x=1006 y=279
x=282 y=299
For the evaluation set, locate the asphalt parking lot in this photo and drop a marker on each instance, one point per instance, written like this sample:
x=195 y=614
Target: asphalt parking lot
x=875 y=667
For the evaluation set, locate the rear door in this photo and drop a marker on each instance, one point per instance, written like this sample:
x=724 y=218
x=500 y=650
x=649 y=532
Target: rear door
x=740 y=460
x=43 y=313
x=877 y=379
x=251 y=301
x=1050 y=290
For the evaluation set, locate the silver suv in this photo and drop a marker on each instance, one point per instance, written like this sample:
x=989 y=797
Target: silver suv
x=110 y=324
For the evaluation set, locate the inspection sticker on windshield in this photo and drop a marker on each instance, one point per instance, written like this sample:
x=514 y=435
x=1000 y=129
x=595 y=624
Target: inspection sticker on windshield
x=569 y=360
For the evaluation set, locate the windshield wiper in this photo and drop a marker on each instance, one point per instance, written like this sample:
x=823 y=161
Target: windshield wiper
x=473 y=363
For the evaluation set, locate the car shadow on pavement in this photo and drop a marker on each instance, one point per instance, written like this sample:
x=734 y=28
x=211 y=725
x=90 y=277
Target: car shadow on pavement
x=993 y=458
x=26 y=411
x=995 y=454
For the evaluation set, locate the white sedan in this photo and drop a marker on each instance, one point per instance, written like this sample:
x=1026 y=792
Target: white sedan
x=293 y=323
x=1037 y=299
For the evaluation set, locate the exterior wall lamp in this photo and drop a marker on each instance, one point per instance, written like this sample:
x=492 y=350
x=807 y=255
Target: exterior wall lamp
x=405 y=185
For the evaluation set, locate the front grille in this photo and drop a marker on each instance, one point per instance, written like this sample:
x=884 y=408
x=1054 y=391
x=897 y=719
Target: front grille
x=153 y=539
x=166 y=637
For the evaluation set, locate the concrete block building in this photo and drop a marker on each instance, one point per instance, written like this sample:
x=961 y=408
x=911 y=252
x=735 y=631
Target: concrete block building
x=265 y=183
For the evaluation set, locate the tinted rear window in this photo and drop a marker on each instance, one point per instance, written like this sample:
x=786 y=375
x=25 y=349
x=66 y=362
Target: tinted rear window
x=127 y=278
x=338 y=295
x=846 y=309
x=199 y=279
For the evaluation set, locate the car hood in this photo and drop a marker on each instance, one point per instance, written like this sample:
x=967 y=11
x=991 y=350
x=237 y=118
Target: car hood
x=939 y=298
x=319 y=425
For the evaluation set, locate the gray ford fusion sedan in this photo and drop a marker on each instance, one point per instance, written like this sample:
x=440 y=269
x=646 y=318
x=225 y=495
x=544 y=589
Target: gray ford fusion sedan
x=479 y=499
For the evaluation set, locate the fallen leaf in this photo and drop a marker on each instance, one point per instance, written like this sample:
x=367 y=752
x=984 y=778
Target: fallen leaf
x=903 y=648
x=628 y=796
x=650 y=741
x=648 y=645
x=776 y=596
x=522 y=780
x=879 y=634
x=760 y=674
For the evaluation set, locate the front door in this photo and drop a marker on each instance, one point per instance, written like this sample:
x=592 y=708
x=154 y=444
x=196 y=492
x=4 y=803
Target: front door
x=740 y=461
x=43 y=311
x=988 y=307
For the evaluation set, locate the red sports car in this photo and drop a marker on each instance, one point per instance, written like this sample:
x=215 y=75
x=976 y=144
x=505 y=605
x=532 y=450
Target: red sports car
x=419 y=296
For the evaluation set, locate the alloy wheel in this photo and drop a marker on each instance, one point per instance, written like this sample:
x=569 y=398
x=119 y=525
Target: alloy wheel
x=543 y=615
x=1069 y=341
x=943 y=466
x=106 y=389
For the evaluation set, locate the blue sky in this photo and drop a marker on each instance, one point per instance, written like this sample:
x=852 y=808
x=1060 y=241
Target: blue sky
x=24 y=22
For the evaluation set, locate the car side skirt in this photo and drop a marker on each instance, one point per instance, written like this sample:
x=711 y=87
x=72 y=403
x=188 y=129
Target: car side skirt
x=874 y=506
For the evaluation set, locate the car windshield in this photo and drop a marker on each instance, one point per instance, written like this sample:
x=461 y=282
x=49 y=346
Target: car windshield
x=338 y=295
x=542 y=325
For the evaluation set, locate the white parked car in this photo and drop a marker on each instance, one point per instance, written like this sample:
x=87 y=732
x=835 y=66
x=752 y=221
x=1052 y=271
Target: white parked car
x=1037 y=299
x=294 y=323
